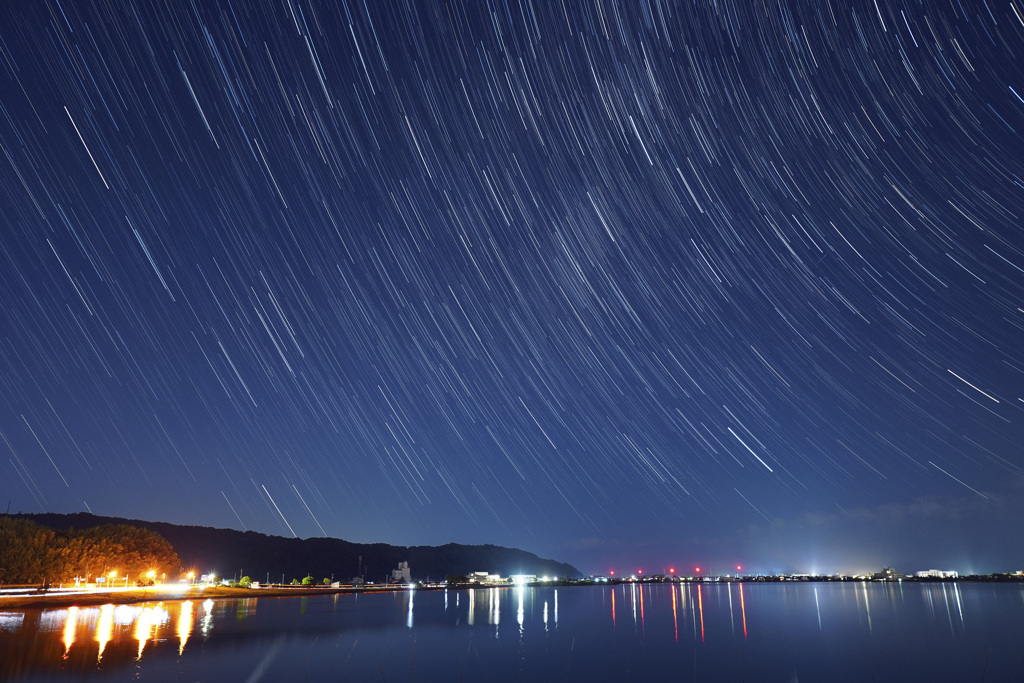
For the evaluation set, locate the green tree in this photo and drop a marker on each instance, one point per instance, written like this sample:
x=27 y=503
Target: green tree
x=295 y=582
x=24 y=550
x=31 y=553
x=129 y=550
x=327 y=582
x=245 y=582
x=307 y=581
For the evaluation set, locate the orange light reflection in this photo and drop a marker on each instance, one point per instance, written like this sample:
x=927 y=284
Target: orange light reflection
x=675 y=618
x=185 y=621
x=104 y=629
x=144 y=628
x=70 y=625
x=743 y=611
x=643 y=628
x=613 y=608
x=700 y=608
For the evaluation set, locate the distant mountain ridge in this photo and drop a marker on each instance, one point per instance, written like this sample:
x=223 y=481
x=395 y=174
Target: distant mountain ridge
x=263 y=557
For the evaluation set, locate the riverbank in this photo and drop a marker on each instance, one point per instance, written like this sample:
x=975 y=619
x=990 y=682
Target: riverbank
x=127 y=596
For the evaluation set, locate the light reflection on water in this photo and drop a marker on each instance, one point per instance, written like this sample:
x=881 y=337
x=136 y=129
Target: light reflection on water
x=185 y=622
x=777 y=631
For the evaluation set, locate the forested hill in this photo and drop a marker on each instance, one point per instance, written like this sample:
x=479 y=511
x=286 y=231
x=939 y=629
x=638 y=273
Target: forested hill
x=228 y=552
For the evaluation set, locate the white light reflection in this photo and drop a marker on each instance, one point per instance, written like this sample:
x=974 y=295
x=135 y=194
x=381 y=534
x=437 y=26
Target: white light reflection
x=148 y=623
x=125 y=615
x=867 y=607
x=959 y=606
x=817 y=606
x=632 y=590
x=408 y=616
x=207 y=622
x=732 y=616
x=11 y=621
x=949 y=612
x=519 y=613
x=693 y=612
x=52 y=620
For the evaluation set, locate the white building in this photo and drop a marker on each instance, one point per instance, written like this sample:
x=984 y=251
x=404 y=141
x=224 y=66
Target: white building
x=401 y=575
x=485 y=578
x=936 y=574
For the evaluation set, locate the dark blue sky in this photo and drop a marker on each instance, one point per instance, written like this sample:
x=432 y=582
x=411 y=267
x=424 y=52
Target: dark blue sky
x=624 y=284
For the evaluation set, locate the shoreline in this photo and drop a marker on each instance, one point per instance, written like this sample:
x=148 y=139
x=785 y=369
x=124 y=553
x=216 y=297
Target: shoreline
x=82 y=598
x=71 y=597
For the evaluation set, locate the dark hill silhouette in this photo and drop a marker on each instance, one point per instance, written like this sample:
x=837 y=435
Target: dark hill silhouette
x=228 y=552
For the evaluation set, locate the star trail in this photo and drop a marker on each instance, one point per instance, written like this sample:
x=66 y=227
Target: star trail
x=613 y=282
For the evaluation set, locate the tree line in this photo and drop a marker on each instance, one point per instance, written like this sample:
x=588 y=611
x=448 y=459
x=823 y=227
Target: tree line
x=34 y=554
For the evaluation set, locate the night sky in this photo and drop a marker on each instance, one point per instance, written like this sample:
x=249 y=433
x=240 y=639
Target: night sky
x=629 y=285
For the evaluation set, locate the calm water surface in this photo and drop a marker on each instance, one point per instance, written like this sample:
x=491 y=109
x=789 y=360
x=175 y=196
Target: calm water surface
x=654 y=632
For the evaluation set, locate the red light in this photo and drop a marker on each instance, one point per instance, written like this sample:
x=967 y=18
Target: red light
x=671 y=570
x=738 y=567
x=612 y=572
x=697 y=569
x=639 y=571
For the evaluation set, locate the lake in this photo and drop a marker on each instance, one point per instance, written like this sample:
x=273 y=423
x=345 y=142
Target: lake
x=630 y=632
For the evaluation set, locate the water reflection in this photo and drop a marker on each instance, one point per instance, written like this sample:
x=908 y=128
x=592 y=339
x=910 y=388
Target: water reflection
x=700 y=608
x=817 y=607
x=675 y=617
x=520 y=612
x=867 y=606
x=104 y=629
x=185 y=622
x=690 y=622
x=743 y=611
x=69 y=630
x=207 y=620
